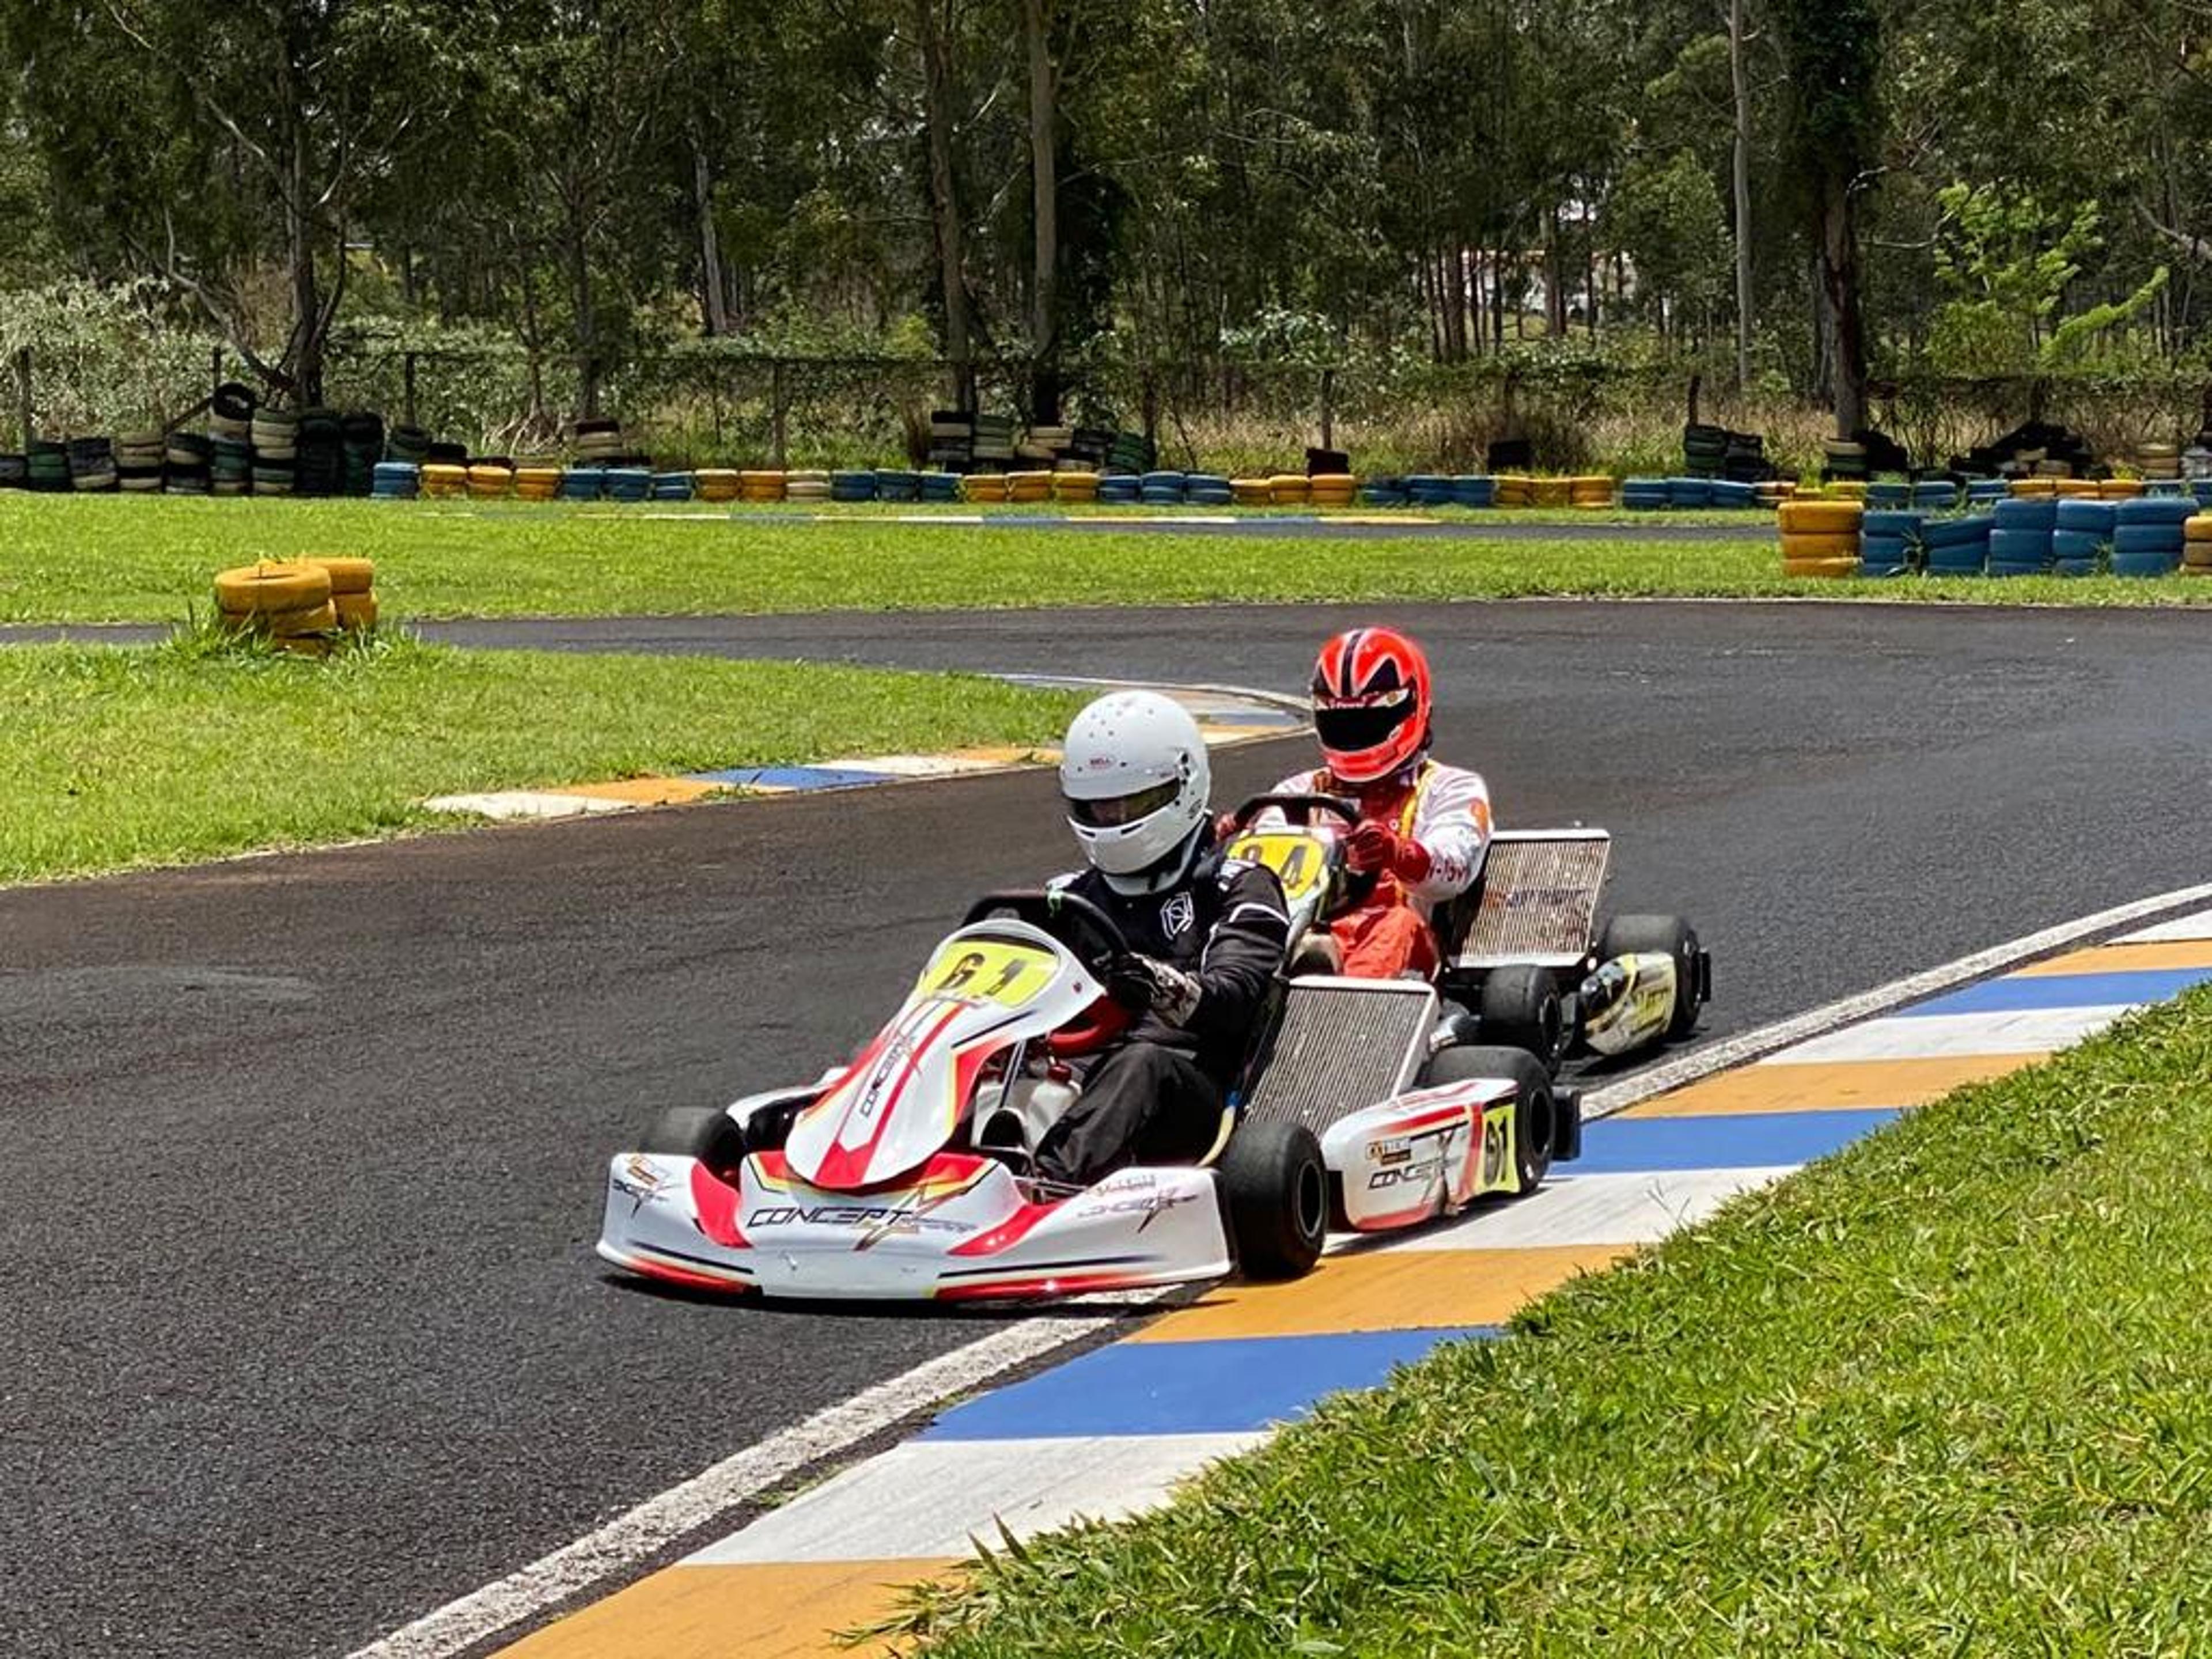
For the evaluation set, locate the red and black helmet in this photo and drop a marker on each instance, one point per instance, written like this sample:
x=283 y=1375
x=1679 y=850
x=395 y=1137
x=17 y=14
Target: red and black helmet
x=1370 y=703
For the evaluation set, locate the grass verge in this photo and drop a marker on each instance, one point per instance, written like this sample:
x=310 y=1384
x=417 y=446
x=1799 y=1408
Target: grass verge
x=160 y=755
x=1943 y=1394
x=126 y=559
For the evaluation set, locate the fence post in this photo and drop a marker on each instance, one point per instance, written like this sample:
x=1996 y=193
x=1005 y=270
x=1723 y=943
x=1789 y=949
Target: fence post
x=1328 y=409
x=23 y=395
x=776 y=411
x=407 y=388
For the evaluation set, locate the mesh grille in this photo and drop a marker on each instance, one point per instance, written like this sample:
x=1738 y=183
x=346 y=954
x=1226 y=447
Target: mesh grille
x=1539 y=899
x=1339 y=1051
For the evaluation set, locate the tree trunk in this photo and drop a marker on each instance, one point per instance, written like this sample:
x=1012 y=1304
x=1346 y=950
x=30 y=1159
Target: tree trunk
x=713 y=290
x=937 y=116
x=1740 y=86
x=1045 y=198
x=304 y=360
x=1555 y=277
x=1839 y=281
x=580 y=294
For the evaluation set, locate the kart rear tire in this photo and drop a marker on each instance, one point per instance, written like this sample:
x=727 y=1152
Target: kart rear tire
x=1535 y=1111
x=705 y=1133
x=1519 y=1008
x=1274 y=1199
x=1659 y=936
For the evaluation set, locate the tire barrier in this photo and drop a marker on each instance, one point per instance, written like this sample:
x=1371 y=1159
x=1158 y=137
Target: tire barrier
x=1200 y=489
x=1075 y=486
x=1252 y=492
x=672 y=487
x=1820 y=538
x=442 y=481
x=91 y=466
x=2020 y=537
x=1431 y=489
x=1291 y=489
x=538 y=481
x=719 y=483
x=396 y=481
x=1165 y=489
x=2151 y=536
x=1338 y=488
x=584 y=483
x=2197 y=545
x=1646 y=495
x=1956 y=547
x=299 y=605
x=1473 y=490
x=1031 y=488
x=1389 y=492
x=2081 y=536
x=852 y=486
x=760 y=485
x=989 y=489
x=490 y=482
x=1513 y=489
x=1889 y=543
x=1594 y=491
x=632 y=484
x=942 y=487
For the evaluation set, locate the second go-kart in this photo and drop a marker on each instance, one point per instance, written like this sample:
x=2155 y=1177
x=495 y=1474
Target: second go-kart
x=906 y=1173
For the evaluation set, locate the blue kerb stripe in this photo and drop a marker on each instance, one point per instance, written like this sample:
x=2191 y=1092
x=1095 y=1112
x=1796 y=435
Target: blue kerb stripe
x=1227 y=1387
x=1740 y=1140
x=792 y=777
x=2025 y=992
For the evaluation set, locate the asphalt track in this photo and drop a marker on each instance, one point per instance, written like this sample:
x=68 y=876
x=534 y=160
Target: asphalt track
x=301 y=1156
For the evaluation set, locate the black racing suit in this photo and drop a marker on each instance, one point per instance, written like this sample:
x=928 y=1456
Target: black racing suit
x=1156 y=1095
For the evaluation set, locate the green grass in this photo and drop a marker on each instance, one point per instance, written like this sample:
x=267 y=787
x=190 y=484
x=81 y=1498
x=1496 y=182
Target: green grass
x=165 y=754
x=123 y=559
x=1947 y=1393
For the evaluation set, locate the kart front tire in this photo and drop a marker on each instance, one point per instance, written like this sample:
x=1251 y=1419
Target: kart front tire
x=705 y=1133
x=1535 y=1109
x=1668 y=936
x=1274 y=1199
x=1519 y=1008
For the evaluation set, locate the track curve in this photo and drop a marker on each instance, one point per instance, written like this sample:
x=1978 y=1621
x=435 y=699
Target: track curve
x=301 y=1153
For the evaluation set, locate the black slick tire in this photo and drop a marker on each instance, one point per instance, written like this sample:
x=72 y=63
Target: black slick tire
x=1659 y=936
x=1519 y=1008
x=1274 y=1199
x=705 y=1133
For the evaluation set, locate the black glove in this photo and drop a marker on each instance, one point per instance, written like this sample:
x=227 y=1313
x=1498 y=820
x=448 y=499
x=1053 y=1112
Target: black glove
x=1143 y=984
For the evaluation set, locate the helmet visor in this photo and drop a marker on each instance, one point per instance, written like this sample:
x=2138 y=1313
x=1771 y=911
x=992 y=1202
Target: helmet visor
x=1117 y=810
x=1352 y=726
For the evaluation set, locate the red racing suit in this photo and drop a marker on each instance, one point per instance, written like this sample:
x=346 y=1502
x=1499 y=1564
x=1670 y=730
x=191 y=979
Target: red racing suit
x=1441 y=816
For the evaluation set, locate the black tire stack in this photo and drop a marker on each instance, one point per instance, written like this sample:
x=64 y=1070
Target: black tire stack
x=191 y=456
x=139 y=459
x=363 y=436
x=48 y=464
x=14 y=473
x=276 y=451
x=599 y=443
x=994 y=442
x=1705 y=450
x=230 y=432
x=319 y=465
x=952 y=439
x=407 y=445
x=91 y=466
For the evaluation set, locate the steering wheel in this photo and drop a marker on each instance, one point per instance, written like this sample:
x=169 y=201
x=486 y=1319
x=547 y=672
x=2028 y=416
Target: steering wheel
x=1298 y=807
x=1091 y=936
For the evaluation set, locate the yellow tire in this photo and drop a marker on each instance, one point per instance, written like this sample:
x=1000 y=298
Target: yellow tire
x=347 y=575
x=2198 y=528
x=1798 y=545
x=311 y=619
x=1820 y=518
x=2119 y=490
x=1827 y=570
x=1550 y=492
x=355 y=611
x=271 y=586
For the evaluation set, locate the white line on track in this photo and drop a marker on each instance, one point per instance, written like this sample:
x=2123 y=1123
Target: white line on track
x=636 y=1536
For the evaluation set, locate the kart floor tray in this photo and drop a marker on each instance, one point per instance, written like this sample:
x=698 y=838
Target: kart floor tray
x=1342 y=1046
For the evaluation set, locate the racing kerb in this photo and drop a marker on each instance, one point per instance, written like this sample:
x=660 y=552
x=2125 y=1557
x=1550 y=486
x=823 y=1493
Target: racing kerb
x=1112 y=1430
x=1226 y=714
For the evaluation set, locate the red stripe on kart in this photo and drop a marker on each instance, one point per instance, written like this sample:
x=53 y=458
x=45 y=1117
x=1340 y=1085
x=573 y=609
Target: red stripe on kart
x=715 y=1205
x=1430 y=1120
x=1007 y=1234
x=1073 y=1284
x=650 y=1267
x=844 y=1167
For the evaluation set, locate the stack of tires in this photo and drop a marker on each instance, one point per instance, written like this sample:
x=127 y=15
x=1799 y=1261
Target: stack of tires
x=1075 y=485
x=362 y=437
x=47 y=466
x=938 y=487
x=852 y=486
x=952 y=439
x=1161 y=489
x=490 y=479
x=1131 y=453
x=1956 y=547
x=760 y=486
x=1252 y=492
x=672 y=487
x=1705 y=450
x=1820 y=538
x=1044 y=443
x=1589 y=491
x=443 y=481
x=583 y=484
x=1204 y=489
x=14 y=473
x=1645 y=494
x=1120 y=489
x=995 y=440
x=1335 y=488
x=1745 y=461
x=598 y=442
x=1429 y=489
x=719 y=483
x=1029 y=489
x=537 y=480
x=896 y=484
x=395 y=481
x=2083 y=536
x=1513 y=489
x=319 y=463
x=2197 y=545
x=189 y=463
x=408 y=445
x=2149 y=536
x=984 y=488
x=2159 y=460
x=2019 y=536
x=1473 y=490
x=299 y=606
x=276 y=451
x=632 y=484
x=1889 y=543
x=140 y=459
x=91 y=466
x=1291 y=489
x=1842 y=458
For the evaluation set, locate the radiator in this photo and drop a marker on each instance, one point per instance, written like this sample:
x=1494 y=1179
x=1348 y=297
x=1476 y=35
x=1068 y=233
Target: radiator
x=1539 y=897
x=1342 y=1046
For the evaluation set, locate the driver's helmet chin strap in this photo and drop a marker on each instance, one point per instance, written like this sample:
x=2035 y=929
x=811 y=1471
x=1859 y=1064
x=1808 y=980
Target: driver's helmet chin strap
x=1167 y=872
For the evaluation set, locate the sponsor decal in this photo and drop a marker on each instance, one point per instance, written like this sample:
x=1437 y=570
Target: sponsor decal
x=1148 y=1202
x=640 y=1180
x=1497 y=1136
x=1178 y=916
x=1389 y=1151
x=882 y=1220
x=1424 y=1173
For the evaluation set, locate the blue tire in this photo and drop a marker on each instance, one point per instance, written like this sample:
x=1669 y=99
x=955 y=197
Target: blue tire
x=2016 y=514
x=2096 y=517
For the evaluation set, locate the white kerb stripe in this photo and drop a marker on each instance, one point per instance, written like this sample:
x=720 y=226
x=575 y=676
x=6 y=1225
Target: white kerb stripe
x=927 y=1499
x=1598 y=1209
x=1943 y=1036
x=2182 y=930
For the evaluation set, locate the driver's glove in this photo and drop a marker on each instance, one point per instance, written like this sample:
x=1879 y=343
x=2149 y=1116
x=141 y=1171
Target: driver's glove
x=1138 y=983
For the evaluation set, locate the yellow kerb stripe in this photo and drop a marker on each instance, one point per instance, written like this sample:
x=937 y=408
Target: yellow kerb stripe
x=1830 y=1086
x=2126 y=959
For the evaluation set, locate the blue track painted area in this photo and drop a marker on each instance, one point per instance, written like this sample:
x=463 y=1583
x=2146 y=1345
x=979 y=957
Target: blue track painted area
x=2025 y=992
x=1744 y=1141
x=792 y=777
x=1227 y=1387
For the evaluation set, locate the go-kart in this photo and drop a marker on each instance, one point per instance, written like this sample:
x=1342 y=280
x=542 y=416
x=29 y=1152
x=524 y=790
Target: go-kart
x=1521 y=951
x=909 y=1173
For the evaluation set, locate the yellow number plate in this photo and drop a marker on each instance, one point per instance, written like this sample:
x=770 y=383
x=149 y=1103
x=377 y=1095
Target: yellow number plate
x=987 y=970
x=1298 y=859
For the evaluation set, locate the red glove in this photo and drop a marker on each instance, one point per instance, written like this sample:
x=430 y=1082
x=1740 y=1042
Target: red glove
x=1225 y=829
x=1374 y=848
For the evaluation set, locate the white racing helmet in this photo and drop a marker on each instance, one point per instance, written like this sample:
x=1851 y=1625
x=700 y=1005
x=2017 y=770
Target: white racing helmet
x=1136 y=778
